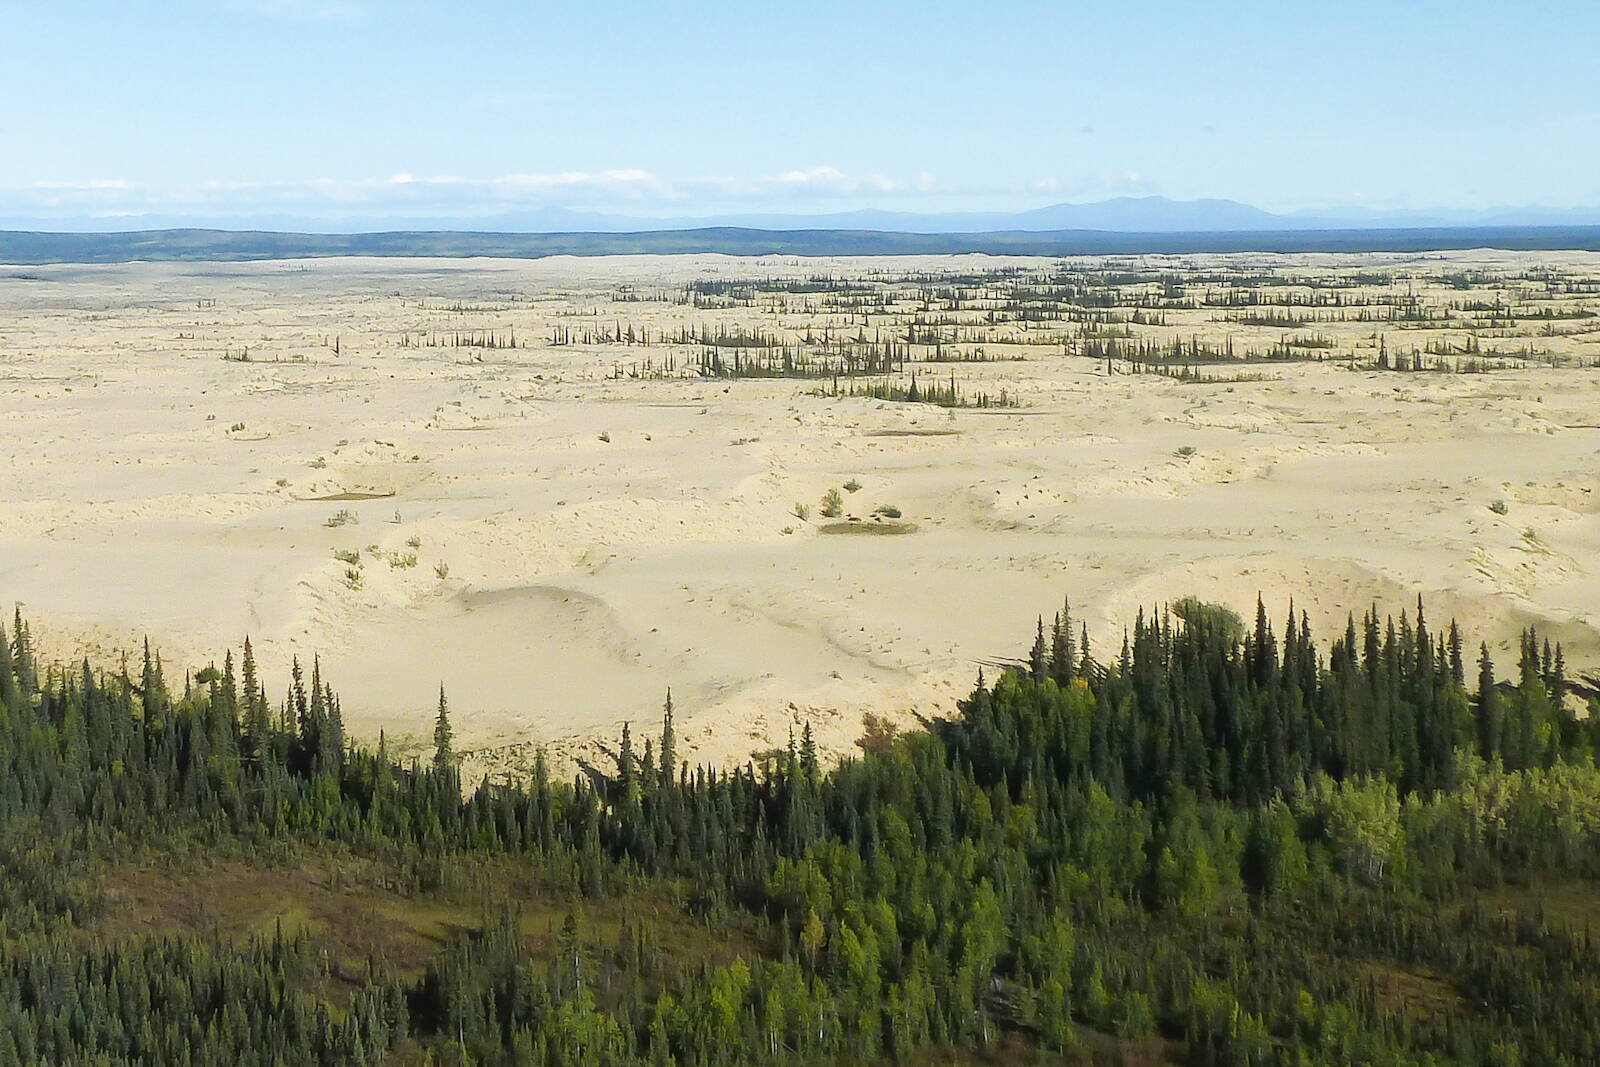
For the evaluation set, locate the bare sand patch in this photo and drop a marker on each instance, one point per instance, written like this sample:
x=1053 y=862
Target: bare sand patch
x=557 y=536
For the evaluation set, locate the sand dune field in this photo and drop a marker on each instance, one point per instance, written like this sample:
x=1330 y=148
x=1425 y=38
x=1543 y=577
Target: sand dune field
x=557 y=531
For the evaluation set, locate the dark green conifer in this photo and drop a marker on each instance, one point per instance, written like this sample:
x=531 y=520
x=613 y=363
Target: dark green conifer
x=1038 y=655
x=669 y=746
x=443 y=754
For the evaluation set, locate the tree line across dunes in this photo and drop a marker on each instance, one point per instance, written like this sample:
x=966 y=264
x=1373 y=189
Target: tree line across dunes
x=1223 y=843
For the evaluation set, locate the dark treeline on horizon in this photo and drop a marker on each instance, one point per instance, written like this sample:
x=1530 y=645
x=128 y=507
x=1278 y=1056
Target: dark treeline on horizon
x=26 y=247
x=1220 y=842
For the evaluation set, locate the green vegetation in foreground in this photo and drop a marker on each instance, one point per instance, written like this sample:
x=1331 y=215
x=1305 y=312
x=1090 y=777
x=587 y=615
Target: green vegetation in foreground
x=1221 y=846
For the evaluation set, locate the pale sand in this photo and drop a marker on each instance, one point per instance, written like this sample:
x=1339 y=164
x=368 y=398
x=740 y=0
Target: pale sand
x=584 y=576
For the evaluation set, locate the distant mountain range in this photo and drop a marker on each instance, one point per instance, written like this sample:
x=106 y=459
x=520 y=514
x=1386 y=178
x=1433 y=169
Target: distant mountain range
x=1150 y=214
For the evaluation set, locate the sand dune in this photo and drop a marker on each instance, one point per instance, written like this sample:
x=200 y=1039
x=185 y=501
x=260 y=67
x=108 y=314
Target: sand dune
x=556 y=545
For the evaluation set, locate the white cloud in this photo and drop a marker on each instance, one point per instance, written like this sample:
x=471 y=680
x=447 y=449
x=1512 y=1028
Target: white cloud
x=1095 y=186
x=627 y=189
x=831 y=182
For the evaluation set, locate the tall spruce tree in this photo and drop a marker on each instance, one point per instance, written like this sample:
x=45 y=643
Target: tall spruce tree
x=22 y=657
x=669 y=745
x=1038 y=655
x=9 y=697
x=443 y=736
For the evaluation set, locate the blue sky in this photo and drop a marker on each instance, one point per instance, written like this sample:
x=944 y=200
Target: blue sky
x=401 y=107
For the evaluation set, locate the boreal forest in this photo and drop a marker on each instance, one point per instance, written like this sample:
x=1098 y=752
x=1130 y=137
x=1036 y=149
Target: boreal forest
x=1206 y=841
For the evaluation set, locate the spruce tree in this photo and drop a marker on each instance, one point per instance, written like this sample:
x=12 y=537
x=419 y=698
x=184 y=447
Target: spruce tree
x=9 y=697
x=333 y=731
x=809 y=769
x=1458 y=670
x=1488 y=707
x=228 y=689
x=1037 y=661
x=1062 y=665
x=627 y=771
x=257 y=726
x=152 y=689
x=443 y=755
x=1558 y=680
x=669 y=749
x=22 y=658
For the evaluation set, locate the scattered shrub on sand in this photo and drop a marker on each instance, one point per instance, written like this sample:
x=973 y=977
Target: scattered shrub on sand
x=1499 y=507
x=851 y=486
x=832 y=504
x=342 y=517
x=802 y=512
x=351 y=556
x=877 y=734
x=888 y=511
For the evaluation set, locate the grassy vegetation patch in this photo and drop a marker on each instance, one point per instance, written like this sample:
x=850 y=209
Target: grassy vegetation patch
x=878 y=527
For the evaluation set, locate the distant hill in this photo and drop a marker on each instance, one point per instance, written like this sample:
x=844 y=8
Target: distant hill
x=31 y=247
x=1150 y=214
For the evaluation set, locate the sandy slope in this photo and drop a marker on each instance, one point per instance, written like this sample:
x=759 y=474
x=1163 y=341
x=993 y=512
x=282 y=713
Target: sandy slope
x=562 y=580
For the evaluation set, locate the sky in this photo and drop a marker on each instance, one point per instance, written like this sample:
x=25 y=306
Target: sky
x=374 y=108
